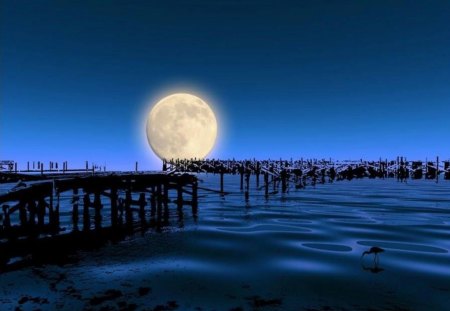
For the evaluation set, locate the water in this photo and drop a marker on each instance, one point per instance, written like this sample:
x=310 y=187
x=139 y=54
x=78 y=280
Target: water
x=295 y=251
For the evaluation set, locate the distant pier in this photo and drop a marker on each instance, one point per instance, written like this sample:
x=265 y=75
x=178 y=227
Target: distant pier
x=275 y=174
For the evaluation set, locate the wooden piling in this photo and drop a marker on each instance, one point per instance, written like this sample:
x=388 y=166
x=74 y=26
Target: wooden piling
x=32 y=212
x=266 y=184
x=221 y=180
x=55 y=224
x=75 y=209
x=6 y=219
x=23 y=214
x=41 y=212
x=437 y=169
x=179 y=194
x=247 y=185
x=114 y=209
x=283 y=180
x=152 y=203
x=86 y=216
x=98 y=210
x=128 y=211
x=241 y=171
x=194 y=197
x=142 y=203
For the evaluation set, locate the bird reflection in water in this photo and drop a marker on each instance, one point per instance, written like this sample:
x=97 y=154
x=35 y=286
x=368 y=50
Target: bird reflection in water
x=375 y=267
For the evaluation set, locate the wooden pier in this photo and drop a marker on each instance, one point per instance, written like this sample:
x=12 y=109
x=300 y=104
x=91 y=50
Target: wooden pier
x=31 y=213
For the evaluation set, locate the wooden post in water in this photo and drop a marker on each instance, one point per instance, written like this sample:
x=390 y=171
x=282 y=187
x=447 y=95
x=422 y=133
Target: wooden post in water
x=128 y=211
x=114 y=209
x=387 y=169
x=98 y=210
x=247 y=184
x=28 y=166
x=159 y=196
x=152 y=203
x=194 y=197
x=166 y=194
x=166 y=201
x=283 y=180
x=397 y=170
x=32 y=211
x=6 y=219
x=75 y=209
x=258 y=171
x=221 y=179
x=51 y=213
x=41 y=212
x=136 y=167
x=142 y=204
x=437 y=169
x=55 y=225
x=22 y=214
x=266 y=184
x=86 y=216
x=241 y=171
x=179 y=194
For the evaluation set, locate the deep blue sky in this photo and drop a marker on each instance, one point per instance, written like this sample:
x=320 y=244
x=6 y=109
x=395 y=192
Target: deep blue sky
x=340 y=79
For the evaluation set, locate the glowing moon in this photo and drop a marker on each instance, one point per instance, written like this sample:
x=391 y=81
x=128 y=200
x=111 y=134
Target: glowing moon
x=181 y=126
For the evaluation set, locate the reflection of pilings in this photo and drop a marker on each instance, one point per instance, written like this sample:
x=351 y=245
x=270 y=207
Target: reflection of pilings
x=222 y=172
x=42 y=205
x=241 y=171
x=179 y=195
x=86 y=216
x=128 y=212
x=152 y=205
x=142 y=203
x=97 y=208
x=266 y=184
x=247 y=185
x=75 y=209
x=114 y=208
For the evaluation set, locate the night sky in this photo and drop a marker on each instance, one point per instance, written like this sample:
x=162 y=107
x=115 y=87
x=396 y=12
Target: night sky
x=340 y=79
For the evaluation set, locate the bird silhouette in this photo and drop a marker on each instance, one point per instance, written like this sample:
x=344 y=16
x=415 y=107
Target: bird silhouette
x=375 y=250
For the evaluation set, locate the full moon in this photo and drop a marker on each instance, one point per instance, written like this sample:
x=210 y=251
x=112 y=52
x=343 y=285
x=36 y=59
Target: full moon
x=181 y=126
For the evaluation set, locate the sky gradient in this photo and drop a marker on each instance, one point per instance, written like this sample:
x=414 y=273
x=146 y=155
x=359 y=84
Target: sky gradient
x=339 y=79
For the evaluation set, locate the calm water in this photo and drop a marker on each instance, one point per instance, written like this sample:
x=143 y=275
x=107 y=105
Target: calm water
x=295 y=251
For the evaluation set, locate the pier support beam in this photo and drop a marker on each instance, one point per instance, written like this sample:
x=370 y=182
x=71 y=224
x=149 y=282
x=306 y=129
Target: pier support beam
x=98 y=210
x=86 y=216
x=142 y=204
x=114 y=209
x=75 y=209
